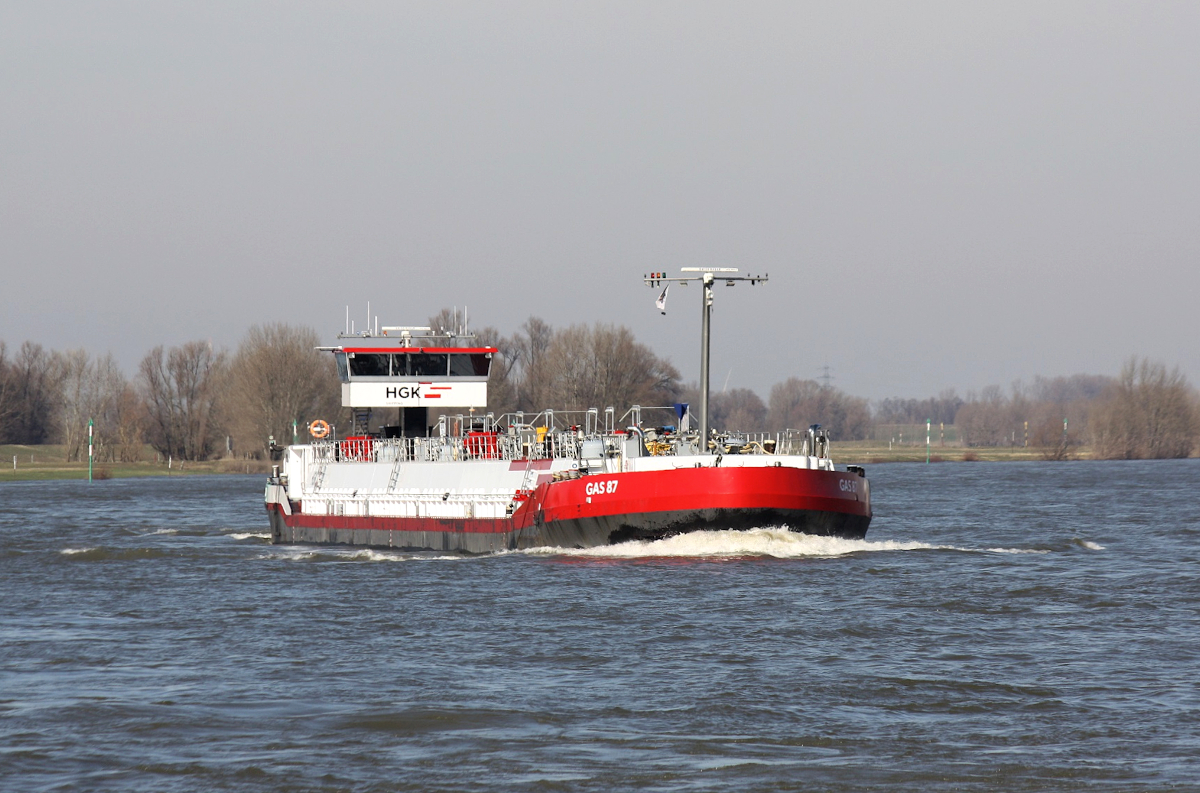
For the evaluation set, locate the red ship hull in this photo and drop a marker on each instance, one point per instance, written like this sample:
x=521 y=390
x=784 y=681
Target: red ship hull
x=607 y=508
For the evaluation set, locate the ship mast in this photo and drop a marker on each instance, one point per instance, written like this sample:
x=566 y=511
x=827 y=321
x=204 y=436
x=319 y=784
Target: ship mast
x=707 y=276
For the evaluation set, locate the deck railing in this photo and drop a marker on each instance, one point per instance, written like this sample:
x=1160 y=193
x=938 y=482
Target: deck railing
x=526 y=445
x=474 y=446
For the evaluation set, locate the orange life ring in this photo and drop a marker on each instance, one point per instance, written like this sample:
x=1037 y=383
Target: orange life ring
x=319 y=429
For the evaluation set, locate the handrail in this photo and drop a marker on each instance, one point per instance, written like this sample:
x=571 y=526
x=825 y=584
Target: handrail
x=501 y=446
x=484 y=446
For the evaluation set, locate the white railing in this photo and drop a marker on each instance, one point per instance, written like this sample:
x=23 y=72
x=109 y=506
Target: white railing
x=524 y=445
x=484 y=446
x=522 y=441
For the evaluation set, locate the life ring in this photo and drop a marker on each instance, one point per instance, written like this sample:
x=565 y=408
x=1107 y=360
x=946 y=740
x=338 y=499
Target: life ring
x=319 y=429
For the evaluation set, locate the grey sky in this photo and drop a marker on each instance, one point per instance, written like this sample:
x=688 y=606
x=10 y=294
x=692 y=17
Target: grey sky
x=944 y=194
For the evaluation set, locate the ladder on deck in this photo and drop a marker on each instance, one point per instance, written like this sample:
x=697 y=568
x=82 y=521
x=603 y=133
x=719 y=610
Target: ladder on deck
x=319 y=474
x=530 y=473
x=395 y=477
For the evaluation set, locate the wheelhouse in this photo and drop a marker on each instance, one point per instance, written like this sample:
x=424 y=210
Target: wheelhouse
x=413 y=377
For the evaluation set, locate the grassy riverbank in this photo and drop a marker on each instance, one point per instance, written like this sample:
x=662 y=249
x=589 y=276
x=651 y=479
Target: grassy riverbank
x=50 y=462
x=868 y=452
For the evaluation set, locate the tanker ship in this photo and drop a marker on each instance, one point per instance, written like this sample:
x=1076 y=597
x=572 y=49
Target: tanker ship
x=424 y=468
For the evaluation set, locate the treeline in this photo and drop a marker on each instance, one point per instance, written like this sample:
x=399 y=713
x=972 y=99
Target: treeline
x=1146 y=412
x=190 y=402
x=193 y=402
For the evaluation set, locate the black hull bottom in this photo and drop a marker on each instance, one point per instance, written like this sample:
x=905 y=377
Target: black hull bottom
x=589 y=532
x=577 y=533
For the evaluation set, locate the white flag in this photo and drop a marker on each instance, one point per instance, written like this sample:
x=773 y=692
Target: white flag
x=662 y=300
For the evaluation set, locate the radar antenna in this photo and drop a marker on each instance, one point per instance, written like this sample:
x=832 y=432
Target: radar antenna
x=707 y=276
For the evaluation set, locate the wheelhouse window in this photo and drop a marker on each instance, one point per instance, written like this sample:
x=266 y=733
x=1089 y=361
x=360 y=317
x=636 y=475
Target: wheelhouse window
x=428 y=364
x=412 y=364
x=469 y=364
x=368 y=364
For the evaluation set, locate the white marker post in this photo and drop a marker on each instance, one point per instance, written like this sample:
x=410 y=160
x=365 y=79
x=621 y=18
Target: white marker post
x=90 y=447
x=928 y=428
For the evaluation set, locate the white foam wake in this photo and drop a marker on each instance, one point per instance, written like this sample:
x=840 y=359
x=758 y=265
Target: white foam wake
x=778 y=543
x=770 y=542
x=245 y=535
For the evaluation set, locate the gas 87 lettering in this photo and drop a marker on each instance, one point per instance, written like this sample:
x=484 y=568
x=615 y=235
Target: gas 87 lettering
x=601 y=488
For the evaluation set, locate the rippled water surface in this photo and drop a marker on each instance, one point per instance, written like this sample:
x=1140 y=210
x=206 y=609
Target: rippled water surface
x=1015 y=626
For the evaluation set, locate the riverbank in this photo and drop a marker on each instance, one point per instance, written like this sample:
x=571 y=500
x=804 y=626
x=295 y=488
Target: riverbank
x=20 y=463
x=869 y=452
x=49 y=462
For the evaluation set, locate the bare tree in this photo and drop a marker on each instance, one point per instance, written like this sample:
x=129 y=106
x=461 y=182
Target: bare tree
x=8 y=384
x=128 y=421
x=502 y=396
x=450 y=322
x=797 y=403
x=1149 y=412
x=986 y=419
x=89 y=390
x=1059 y=411
x=75 y=401
x=738 y=409
x=502 y=386
x=741 y=409
x=1072 y=388
x=181 y=388
x=527 y=351
x=277 y=378
x=34 y=380
x=940 y=409
x=601 y=366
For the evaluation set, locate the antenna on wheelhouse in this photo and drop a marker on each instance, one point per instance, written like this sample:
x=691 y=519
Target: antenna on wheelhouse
x=707 y=276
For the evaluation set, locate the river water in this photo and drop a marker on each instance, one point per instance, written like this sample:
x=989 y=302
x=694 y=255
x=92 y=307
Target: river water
x=1007 y=627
